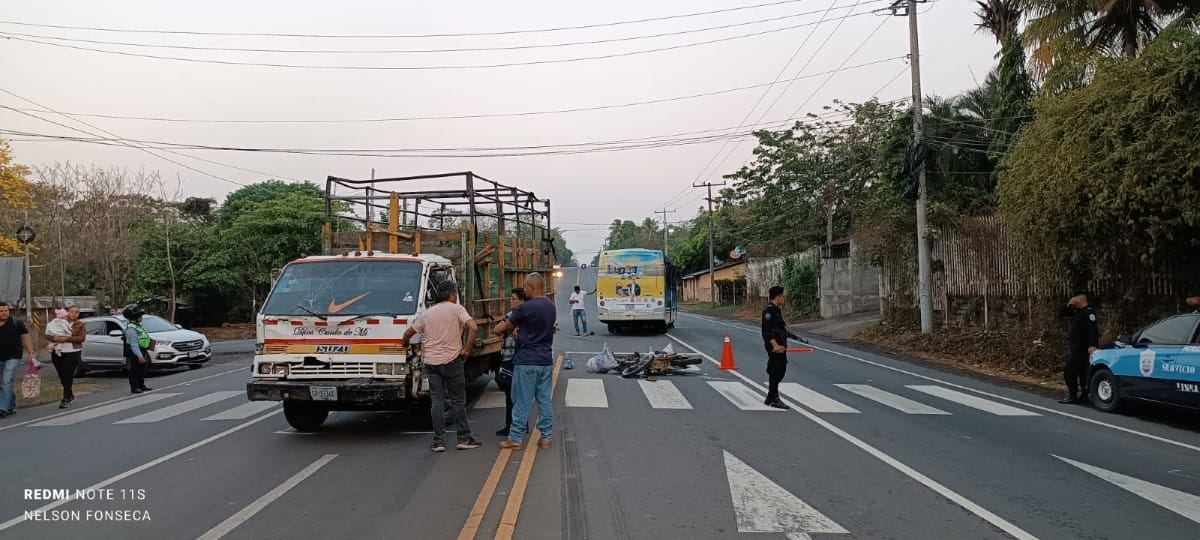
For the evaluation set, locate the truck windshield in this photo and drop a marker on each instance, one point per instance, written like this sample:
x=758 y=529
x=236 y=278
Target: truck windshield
x=346 y=288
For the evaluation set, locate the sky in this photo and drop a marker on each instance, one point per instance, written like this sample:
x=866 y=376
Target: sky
x=823 y=44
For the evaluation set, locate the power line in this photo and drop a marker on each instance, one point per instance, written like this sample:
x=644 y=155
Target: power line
x=414 y=68
x=402 y=36
x=425 y=51
x=457 y=117
x=814 y=93
x=143 y=149
x=756 y=103
x=129 y=145
x=762 y=96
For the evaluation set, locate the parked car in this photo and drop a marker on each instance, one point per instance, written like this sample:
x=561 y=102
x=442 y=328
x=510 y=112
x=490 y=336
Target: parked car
x=173 y=346
x=1159 y=363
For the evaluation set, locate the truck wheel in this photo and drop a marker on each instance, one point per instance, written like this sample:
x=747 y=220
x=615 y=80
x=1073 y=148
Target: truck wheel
x=1105 y=391
x=304 y=416
x=614 y=328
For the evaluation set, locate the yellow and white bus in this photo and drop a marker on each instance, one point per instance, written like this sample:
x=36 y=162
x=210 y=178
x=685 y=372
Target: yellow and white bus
x=636 y=288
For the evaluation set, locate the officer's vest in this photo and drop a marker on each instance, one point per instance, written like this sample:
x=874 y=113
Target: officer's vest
x=143 y=336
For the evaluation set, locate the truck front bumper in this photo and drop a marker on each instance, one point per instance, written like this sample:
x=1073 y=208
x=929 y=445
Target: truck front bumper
x=351 y=394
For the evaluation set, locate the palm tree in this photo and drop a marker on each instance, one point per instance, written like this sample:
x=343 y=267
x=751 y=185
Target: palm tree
x=1111 y=27
x=1000 y=19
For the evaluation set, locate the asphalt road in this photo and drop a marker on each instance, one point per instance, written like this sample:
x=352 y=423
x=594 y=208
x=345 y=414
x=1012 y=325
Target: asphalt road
x=875 y=447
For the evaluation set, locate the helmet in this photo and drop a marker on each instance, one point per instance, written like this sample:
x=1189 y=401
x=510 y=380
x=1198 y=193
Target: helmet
x=132 y=312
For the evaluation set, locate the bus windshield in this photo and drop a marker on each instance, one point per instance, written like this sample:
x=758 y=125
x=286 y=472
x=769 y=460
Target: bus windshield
x=346 y=288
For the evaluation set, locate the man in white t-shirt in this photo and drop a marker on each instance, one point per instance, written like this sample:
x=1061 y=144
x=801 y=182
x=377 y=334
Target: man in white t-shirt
x=579 y=312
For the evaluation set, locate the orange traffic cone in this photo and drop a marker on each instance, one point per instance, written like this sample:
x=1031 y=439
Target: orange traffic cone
x=727 y=355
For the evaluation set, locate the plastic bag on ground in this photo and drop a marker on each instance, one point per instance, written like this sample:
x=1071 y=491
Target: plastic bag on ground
x=602 y=362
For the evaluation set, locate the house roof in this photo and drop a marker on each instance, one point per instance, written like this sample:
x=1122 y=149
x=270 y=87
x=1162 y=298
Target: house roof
x=721 y=266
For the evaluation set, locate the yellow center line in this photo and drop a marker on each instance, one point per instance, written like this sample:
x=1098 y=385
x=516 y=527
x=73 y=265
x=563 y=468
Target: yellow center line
x=475 y=517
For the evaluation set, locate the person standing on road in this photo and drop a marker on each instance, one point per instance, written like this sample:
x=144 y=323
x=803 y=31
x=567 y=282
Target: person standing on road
x=14 y=338
x=508 y=348
x=1083 y=340
x=444 y=350
x=775 y=334
x=137 y=348
x=579 y=311
x=533 y=363
x=66 y=335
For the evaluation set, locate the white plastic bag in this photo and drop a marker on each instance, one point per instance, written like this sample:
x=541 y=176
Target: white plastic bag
x=602 y=362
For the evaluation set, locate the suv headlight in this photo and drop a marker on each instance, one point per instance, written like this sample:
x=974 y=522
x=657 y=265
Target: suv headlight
x=162 y=343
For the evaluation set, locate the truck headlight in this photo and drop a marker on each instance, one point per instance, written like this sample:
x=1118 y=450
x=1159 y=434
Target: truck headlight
x=279 y=369
x=383 y=368
x=264 y=369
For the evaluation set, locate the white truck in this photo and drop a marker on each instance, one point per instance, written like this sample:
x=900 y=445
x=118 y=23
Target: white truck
x=330 y=333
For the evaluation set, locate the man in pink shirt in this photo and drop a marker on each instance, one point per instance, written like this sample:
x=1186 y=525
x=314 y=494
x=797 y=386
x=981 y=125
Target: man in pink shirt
x=444 y=349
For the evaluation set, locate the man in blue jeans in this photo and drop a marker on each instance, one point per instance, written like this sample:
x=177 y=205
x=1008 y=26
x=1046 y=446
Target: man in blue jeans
x=533 y=363
x=14 y=338
x=578 y=311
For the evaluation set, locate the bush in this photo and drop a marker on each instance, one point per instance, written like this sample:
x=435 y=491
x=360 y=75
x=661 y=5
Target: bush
x=802 y=285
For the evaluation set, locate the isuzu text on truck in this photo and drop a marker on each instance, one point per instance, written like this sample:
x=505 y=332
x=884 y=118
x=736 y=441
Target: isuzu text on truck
x=330 y=333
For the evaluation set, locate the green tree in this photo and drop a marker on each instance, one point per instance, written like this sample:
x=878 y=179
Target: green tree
x=1060 y=28
x=266 y=234
x=16 y=196
x=1106 y=179
x=1008 y=107
x=243 y=199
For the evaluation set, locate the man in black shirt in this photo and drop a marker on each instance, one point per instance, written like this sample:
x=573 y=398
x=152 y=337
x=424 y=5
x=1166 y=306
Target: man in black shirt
x=775 y=335
x=14 y=338
x=1083 y=339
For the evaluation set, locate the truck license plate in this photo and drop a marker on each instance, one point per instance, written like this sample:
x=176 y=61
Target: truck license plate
x=323 y=393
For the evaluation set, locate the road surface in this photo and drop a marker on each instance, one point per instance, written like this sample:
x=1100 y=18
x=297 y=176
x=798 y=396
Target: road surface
x=875 y=447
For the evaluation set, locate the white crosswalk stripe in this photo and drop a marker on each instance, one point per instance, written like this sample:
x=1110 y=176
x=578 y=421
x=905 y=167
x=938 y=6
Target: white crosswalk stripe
x=974 y=402
x=900 y=403
x=104 y=410
x=180 y=408
x=586 y=393
x=663 y=395
x=814 y=400
x=741 y=396
x=244 y=411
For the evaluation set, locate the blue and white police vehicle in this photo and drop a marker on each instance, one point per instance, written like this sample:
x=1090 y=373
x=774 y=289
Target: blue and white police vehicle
x=1159 y=363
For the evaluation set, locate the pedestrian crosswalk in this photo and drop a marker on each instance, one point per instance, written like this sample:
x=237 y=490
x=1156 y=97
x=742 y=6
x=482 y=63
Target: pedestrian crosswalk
x=593 y=393
x=883 y=397
x=684 y=394
x=157 y=407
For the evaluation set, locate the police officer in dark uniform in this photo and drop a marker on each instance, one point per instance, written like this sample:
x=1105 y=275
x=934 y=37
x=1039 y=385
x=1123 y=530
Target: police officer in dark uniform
x=1083 y=340
x=775 y=335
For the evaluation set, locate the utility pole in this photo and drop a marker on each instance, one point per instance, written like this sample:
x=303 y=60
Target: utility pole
x=924 y=264
x=712 y=279
x=664 y=212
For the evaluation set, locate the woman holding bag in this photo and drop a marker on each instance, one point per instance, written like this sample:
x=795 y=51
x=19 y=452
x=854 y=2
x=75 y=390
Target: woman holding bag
x=66 y=335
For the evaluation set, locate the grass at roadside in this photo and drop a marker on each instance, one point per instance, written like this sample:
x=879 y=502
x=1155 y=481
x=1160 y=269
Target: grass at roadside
x=1017 y=356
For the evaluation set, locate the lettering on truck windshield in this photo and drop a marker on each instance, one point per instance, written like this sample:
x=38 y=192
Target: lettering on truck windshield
x=354 y=288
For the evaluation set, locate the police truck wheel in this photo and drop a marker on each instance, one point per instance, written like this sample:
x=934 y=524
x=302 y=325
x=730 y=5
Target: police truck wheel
x=1105 y=391
x=304 y=416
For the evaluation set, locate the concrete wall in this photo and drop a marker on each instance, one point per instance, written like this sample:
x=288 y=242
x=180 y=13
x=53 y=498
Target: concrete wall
x=848 y=286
